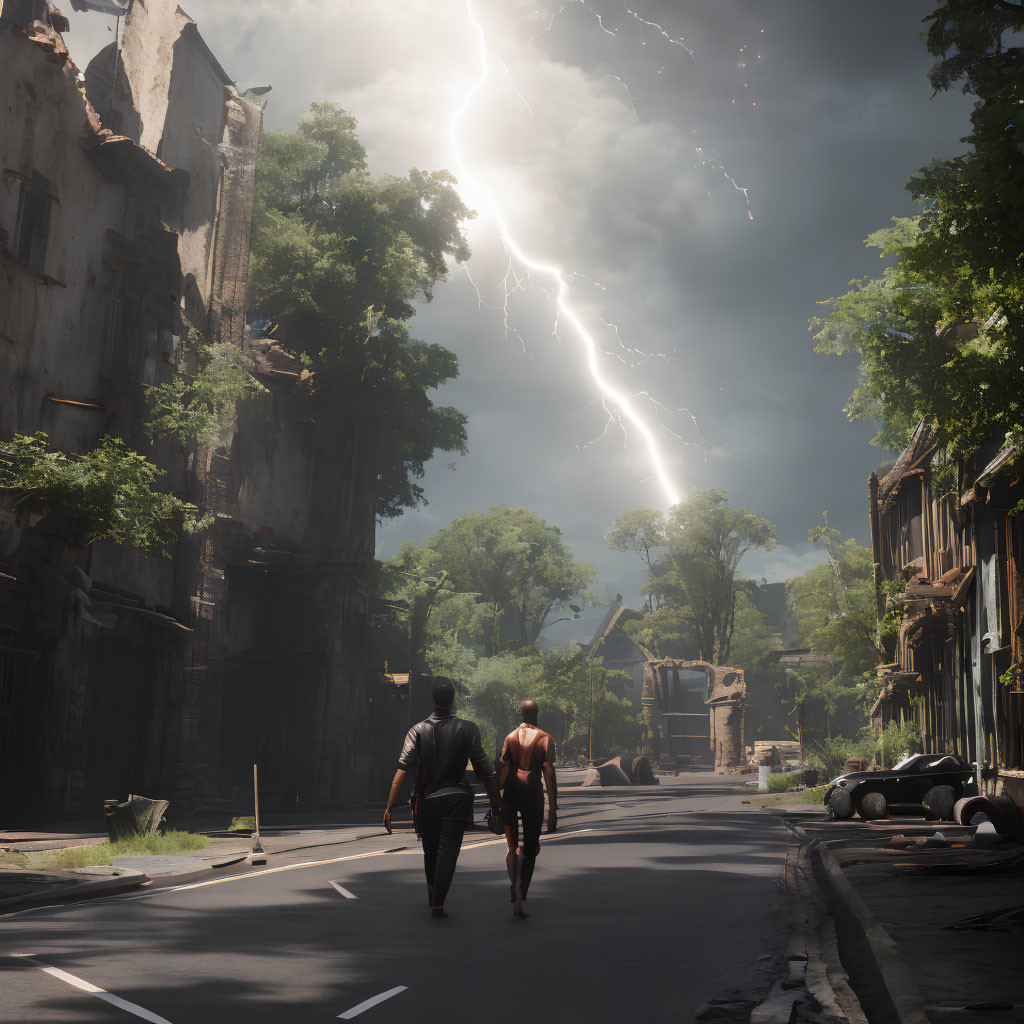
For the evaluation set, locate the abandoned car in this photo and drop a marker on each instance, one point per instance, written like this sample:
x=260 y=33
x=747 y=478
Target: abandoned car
x=934 y=781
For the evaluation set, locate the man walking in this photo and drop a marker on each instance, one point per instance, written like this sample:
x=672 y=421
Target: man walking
x=528 y=753
x=437 y=750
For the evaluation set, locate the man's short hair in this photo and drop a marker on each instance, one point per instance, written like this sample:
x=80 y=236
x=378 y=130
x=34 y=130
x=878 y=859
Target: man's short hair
x=443 y=692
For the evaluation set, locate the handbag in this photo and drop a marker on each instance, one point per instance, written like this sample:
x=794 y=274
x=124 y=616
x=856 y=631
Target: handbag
x=496 y=821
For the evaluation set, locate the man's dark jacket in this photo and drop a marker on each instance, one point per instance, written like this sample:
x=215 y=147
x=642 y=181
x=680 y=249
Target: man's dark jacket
x=437 y=750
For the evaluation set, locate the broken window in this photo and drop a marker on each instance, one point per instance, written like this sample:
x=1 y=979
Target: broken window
x=33 y=222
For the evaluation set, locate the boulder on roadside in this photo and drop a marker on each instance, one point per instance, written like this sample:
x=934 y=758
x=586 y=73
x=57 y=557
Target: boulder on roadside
x=643 y=773
x=612 y=774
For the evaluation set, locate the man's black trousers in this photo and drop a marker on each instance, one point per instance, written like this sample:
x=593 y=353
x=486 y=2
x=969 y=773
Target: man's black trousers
x=442 y=821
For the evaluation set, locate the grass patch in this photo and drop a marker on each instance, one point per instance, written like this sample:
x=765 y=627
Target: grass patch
x=779 y=782
x=151 y=845
x=811 y=796
x=803 y=796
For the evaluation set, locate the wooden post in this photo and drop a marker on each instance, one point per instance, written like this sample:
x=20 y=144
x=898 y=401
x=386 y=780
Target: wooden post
x=256 y=796
x=258 y=856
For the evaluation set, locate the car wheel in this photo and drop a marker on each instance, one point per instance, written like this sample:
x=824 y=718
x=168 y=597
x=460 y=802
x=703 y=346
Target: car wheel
x=873 y=806
x=840 y=805
x=939 y=801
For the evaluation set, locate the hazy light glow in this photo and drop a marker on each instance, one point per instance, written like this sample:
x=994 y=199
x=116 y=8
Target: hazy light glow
x=611 y=395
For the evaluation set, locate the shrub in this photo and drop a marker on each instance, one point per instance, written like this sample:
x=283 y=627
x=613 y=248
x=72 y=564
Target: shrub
x=896 y=740
x=781 y=781
x=106 y=494
x=197 y=406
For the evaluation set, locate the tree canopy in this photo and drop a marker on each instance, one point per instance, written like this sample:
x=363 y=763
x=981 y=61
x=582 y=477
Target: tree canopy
x=974 y=223
x=697 y=580
x=472 y=603
x=519 y=566
x=940 y=334
x=339 y=257
x=922 y=355
x=834 y=609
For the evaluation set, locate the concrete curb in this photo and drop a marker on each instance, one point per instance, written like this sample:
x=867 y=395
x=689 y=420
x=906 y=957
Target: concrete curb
x=76 y=892
x=815 y=971
x=894 y=996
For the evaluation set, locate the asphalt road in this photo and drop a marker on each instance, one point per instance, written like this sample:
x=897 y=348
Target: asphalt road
x=645 y=904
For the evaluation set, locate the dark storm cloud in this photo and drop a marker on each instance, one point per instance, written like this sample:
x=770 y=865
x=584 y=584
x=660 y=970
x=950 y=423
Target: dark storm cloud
x=843 y=115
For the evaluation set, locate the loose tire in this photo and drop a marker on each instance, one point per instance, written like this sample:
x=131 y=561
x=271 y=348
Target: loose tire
x=872 y=806
x=939 y=801
x=840 y=805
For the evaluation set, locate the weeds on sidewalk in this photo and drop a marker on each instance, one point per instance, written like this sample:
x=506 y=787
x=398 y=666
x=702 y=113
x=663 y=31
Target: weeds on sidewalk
x=814 y=795
x=153 y=844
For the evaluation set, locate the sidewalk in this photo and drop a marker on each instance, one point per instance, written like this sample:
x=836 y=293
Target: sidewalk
x=911 y=939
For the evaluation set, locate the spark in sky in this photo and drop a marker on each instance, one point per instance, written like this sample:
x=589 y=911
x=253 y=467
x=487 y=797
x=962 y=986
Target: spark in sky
x=712 y=163
x=521 y=268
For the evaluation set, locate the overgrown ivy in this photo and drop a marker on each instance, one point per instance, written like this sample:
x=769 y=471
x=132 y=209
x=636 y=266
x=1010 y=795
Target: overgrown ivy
x=107 y=494
x=197 y=403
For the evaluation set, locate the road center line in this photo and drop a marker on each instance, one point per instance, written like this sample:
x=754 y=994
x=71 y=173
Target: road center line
x=356 y=1010
x=319 y=863
x=93 y=990
x=344 y=892
x=166 y=890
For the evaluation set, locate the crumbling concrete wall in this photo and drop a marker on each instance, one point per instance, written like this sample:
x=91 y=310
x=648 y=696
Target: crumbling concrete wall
x=100 y=638
x=140 y=673
x=152 y=29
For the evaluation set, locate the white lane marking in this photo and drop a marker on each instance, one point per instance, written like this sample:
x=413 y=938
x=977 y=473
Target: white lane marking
x=93 y=990
x=319 y=863
x=344 y=892
x=356 y=1010
x=166 y=890
x=257 y=874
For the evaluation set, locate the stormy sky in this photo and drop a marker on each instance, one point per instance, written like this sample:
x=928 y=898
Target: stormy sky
x=823 y=128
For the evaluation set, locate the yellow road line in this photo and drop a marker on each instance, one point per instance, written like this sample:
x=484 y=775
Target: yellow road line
x=330 y=860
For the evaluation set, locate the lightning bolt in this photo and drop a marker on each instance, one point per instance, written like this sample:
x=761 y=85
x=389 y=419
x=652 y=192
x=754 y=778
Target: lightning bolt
x=590 y=10
x=680 y=42
x=619 y=405
x=705 y=162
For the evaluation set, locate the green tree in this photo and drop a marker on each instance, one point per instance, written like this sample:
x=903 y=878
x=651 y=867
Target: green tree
x=922 y=355
x=572 y=689
x=667 y=632
x=974 y=204
x=414 y=583
x=697 y=580
x=834 y=608
x=707 y=540
x=109 y=493
x=833 y=612
x=338 y=259
x=642 y=531
x=519 y=566
x=940 y=335
x=754 y=646
x=197 y=403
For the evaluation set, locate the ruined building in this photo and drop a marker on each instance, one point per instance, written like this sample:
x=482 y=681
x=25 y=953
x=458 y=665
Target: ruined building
x=126 y=196
x=952 y=560
x=694 y=713
x=617 y=650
